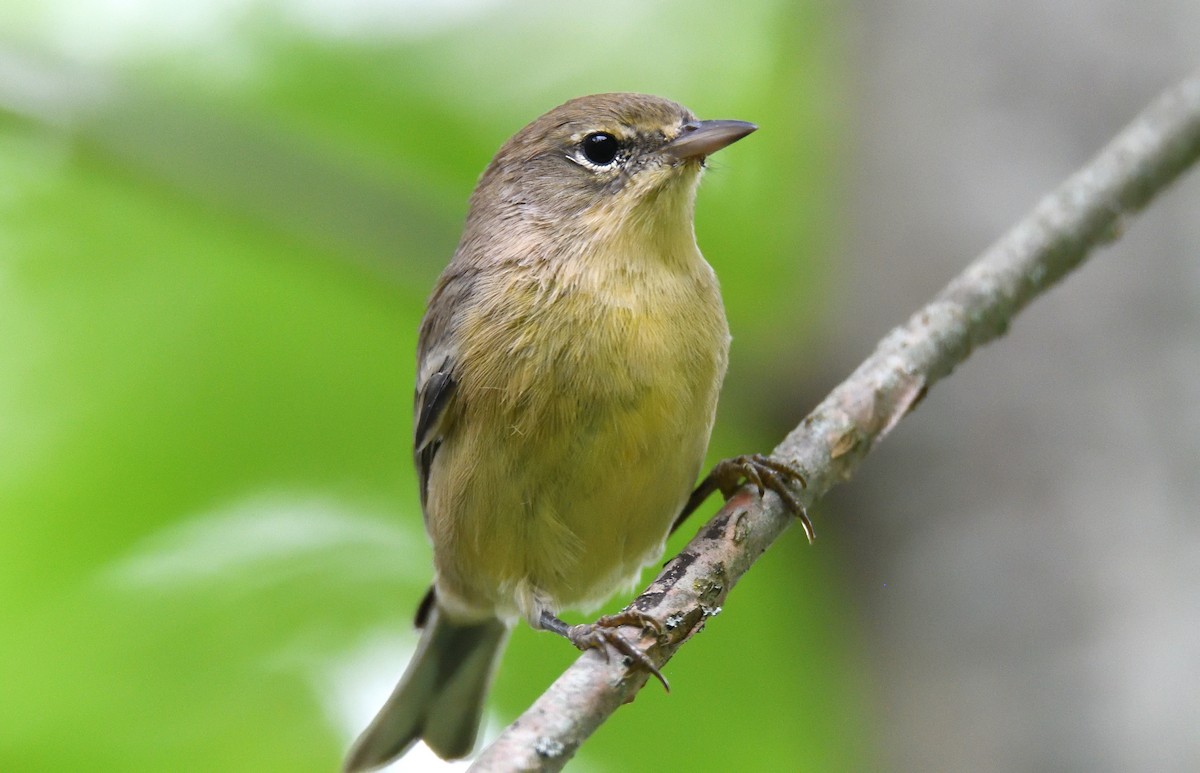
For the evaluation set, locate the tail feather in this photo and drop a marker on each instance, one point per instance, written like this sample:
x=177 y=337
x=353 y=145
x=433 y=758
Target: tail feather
x=439 y=698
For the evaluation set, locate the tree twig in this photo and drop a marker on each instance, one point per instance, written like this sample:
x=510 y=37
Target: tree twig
x=1089 y=209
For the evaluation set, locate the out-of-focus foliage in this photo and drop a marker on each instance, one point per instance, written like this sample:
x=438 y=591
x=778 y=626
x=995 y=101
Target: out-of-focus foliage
x=218 y=223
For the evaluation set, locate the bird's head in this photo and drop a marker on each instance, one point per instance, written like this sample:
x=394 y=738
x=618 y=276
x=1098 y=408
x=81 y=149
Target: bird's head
x=601 y=165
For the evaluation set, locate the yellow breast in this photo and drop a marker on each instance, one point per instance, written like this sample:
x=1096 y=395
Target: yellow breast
x=590 y=396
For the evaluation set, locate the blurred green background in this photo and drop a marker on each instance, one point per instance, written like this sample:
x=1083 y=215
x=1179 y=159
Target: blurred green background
x=218 y=225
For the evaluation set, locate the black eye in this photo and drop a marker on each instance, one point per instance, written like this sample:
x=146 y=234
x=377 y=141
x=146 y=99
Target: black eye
x=600 y=148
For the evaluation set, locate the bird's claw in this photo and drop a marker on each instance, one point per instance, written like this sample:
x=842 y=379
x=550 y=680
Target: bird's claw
x=765 y=474
x=604 y=632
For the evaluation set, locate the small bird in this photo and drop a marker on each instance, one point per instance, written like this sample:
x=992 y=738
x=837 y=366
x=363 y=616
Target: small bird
x=569 y=363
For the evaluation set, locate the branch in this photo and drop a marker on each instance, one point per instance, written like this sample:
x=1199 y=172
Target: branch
x=1089 y=209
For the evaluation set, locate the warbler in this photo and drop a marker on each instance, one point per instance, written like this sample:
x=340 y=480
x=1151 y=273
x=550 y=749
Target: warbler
x=569 y=363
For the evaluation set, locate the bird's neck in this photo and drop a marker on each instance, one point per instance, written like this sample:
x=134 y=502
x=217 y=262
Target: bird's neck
x=654 y=230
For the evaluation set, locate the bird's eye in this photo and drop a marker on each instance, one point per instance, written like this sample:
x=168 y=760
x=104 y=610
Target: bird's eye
x=600 y=148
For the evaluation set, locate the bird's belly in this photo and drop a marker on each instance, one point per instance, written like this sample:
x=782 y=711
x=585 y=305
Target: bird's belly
x=604 y=509
x=565 y=499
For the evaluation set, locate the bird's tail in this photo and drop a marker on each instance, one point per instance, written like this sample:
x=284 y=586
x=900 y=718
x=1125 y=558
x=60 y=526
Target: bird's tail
x=439 y=698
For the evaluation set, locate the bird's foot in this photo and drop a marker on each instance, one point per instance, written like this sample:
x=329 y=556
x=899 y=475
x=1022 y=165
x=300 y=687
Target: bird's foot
x=762 y=472
x=604 y=632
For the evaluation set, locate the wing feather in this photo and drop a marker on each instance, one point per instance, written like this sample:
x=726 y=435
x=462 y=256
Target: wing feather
x=437 y=366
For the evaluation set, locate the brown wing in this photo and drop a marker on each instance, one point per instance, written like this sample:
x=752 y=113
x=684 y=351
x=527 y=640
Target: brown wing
x=433 y=395
x=437 y=366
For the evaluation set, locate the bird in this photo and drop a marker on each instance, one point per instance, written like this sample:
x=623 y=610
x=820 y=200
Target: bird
x=569 y=364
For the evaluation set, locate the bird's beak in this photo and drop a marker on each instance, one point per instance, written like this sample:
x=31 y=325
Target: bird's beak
x=698 y=139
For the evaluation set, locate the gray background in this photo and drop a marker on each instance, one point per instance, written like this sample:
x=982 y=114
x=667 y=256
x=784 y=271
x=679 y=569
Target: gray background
x=1026 y=546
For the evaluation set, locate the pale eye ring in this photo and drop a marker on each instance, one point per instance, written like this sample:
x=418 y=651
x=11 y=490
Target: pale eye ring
x=600 y=148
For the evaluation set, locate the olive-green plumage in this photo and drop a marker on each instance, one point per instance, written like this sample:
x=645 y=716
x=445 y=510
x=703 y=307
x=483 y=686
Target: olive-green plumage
x=569 y=365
